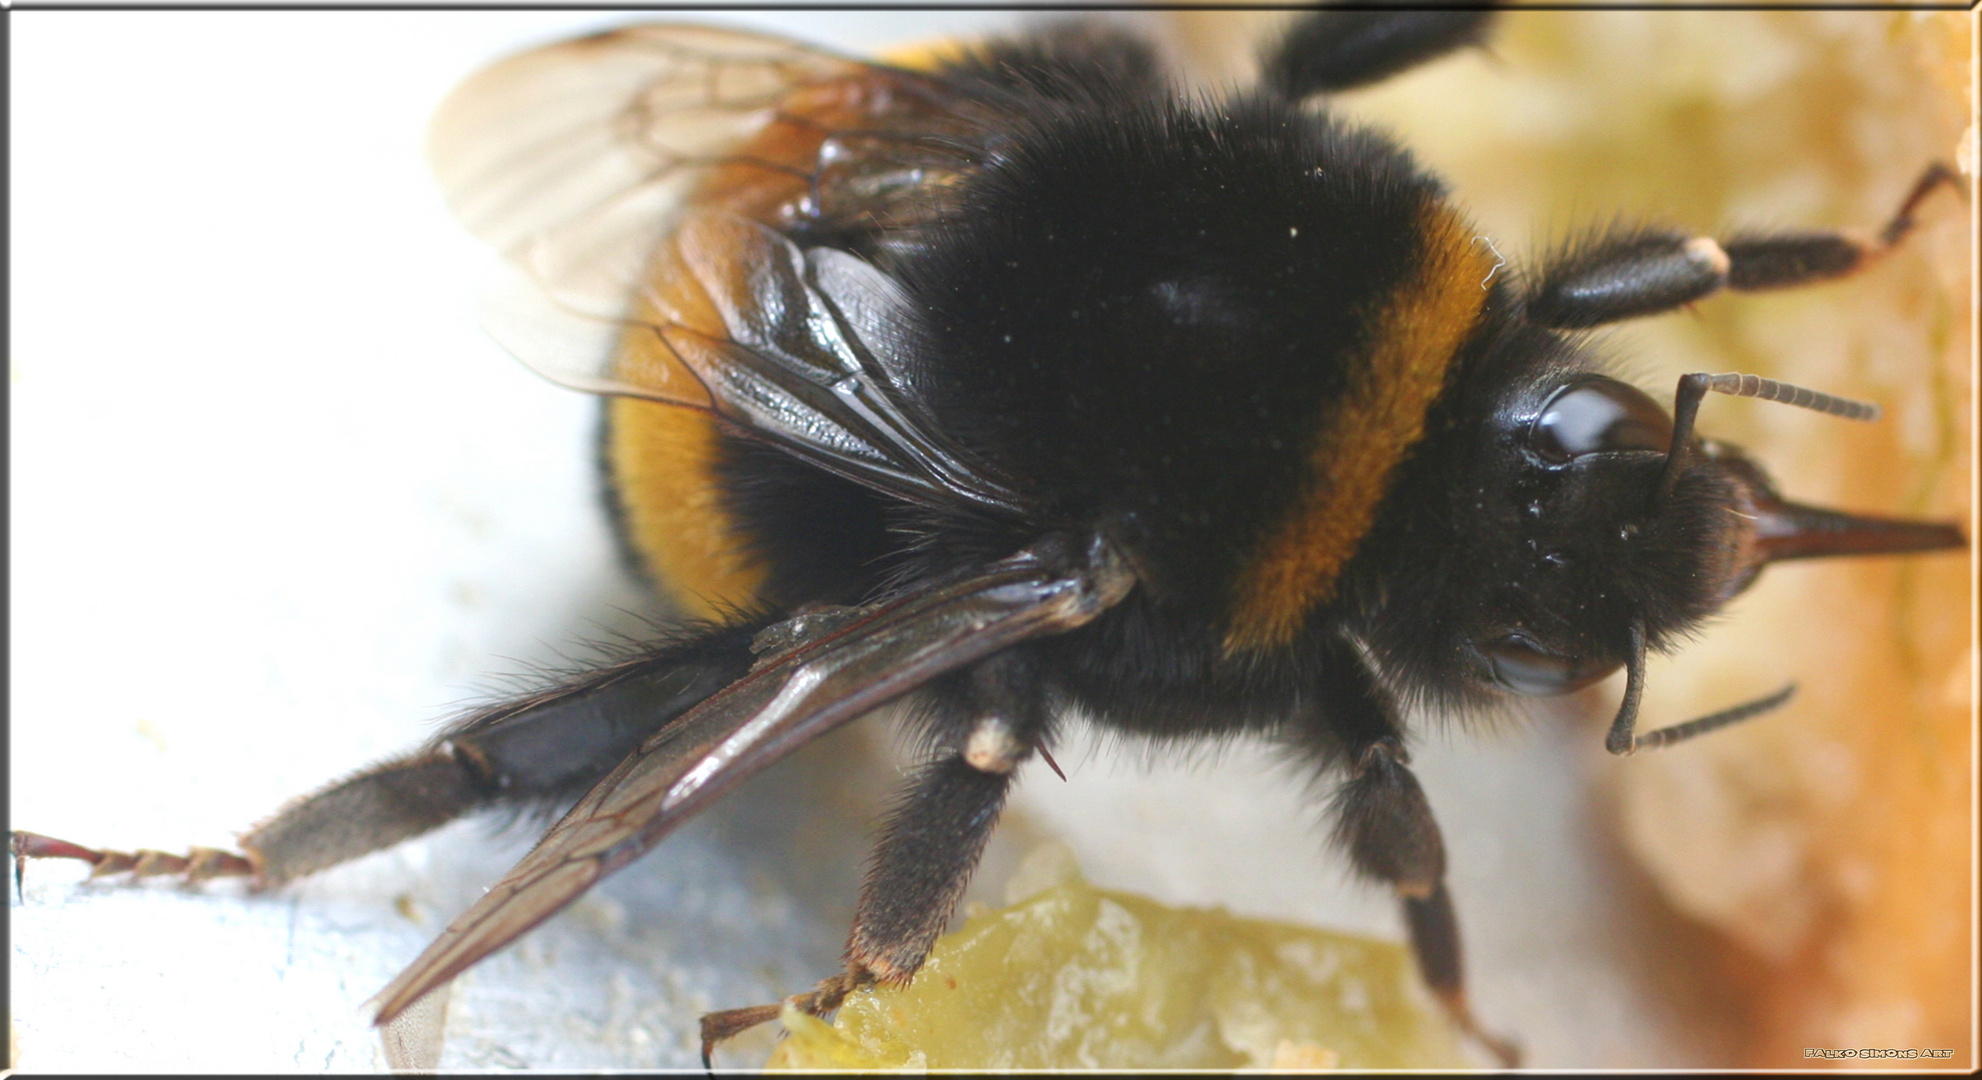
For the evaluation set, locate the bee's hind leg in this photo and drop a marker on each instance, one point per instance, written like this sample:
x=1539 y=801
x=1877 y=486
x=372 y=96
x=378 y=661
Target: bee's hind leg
x=983 y=724
x=1385 y=824
x=535 y=749
x=1331 y=49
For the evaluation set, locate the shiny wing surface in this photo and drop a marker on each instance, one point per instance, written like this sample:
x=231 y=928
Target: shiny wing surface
x=812 y=682
x=570 y=159
x=636 y=183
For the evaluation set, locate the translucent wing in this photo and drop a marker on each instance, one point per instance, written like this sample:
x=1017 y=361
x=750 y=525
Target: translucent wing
x=860 y=660
x=639 y=184
x=570 y=159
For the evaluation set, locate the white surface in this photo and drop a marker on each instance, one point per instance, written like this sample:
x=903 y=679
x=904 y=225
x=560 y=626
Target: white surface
x=277 y=505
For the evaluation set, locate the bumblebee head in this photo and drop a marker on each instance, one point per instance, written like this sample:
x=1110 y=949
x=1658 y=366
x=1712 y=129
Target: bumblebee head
x=1585 y=525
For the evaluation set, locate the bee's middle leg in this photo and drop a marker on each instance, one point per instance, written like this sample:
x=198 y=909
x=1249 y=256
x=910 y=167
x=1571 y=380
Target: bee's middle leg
x=982 y=726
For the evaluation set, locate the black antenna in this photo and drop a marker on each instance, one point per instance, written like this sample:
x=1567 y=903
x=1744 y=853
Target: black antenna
x=1652 y=740
x=1623 y=739
x=1692 y=388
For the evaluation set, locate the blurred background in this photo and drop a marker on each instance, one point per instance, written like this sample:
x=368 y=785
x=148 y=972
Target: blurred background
x=278 y=506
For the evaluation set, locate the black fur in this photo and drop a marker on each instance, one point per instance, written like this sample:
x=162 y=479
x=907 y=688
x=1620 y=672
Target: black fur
x=630 y=558
x=1105 y=320
x=824 y=539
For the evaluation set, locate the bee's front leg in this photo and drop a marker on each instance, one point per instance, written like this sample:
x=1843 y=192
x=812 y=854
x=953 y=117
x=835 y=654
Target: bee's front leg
x=1630 y=272
x=1385 y=824
x=983 y=725
x=1386 y=821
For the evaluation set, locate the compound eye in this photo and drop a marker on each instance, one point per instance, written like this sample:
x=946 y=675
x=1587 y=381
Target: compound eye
x=1599 y=416
x=1521 y=666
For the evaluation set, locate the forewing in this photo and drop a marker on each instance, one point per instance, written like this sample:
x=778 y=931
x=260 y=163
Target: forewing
x=414 y=1039
x=569 y=158
x=633 y=179
x=801 y=348
x=575 y=160
x=860 y=661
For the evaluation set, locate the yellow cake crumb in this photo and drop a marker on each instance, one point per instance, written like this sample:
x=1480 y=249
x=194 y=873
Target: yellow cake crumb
x=1080 y=977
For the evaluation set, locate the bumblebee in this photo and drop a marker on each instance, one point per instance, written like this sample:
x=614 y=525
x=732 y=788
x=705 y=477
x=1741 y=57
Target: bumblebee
x=1021 y=385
